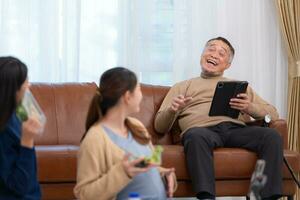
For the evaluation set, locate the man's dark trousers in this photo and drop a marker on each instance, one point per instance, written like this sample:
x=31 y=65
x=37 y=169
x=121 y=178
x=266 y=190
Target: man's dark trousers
x=199 y=143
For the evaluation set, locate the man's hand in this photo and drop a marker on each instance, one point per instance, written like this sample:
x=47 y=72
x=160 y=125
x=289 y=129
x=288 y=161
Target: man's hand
x=180 y=102
x=242 y=103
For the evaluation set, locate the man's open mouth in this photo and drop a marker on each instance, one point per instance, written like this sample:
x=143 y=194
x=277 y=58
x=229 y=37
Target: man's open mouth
x=213 y=62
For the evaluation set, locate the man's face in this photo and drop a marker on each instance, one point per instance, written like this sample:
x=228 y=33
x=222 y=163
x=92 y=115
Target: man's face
x=215 y=58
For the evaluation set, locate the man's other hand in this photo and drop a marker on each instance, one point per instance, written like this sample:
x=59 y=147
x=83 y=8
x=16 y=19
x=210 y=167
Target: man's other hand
x=242 y=103
x=179 y=102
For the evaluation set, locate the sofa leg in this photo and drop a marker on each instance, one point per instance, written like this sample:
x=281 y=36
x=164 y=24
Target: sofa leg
x=290 y=197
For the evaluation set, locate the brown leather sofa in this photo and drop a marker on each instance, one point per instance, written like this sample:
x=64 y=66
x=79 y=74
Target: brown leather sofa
x=65 y=106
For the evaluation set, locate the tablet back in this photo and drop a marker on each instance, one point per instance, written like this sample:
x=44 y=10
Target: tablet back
x=225 y=90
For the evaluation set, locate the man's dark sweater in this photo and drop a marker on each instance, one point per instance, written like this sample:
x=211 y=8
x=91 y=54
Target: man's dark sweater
x=18 y=171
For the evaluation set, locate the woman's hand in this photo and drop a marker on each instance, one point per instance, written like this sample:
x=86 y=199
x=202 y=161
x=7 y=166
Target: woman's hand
x=130 y=166
x=169 y=174
x=30 y=128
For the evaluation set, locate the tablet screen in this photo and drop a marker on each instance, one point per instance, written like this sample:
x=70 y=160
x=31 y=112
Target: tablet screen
x=225 y=90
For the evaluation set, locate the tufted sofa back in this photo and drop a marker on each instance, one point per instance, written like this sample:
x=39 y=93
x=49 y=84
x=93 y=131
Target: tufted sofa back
x=66 y=105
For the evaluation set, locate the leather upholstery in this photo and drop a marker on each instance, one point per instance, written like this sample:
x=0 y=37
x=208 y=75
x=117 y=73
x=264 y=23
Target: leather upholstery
x=66 y=105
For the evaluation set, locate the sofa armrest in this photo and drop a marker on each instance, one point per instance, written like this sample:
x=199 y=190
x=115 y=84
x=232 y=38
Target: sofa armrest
x=279 y=125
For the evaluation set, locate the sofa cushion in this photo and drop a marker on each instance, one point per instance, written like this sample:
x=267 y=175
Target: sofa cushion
x=57 y=163
x=65 y=106
x=230 y=163
x=44 y=94
x=72 y=104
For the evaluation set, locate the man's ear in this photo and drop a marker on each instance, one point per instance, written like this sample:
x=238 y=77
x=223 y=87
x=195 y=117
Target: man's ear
x=228 y=65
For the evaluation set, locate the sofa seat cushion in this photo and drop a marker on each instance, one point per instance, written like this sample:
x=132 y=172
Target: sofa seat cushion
x=56 y=163
x=230 y=163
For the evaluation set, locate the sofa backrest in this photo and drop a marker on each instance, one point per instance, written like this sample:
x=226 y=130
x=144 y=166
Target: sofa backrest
x=66 y=105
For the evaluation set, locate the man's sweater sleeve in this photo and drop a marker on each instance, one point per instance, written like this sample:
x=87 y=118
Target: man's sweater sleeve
x=260 y=104
x=165 y=116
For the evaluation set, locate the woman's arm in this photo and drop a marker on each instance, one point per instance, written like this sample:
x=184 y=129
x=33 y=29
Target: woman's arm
x=98 y=174
x=17 y=167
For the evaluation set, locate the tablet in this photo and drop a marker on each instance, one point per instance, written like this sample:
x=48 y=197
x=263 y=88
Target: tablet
x=225 y=90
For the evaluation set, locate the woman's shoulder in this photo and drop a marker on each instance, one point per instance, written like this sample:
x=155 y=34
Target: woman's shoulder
x=136 y=125
x=135 y=121
x=12 y=127
x=138 y=130
x=95 y=135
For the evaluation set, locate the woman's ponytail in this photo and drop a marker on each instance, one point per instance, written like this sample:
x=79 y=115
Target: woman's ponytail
x=94 y=112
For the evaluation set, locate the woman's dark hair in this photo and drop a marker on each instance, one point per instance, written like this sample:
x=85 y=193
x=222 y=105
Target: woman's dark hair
x=113 y=84
x=13 y=74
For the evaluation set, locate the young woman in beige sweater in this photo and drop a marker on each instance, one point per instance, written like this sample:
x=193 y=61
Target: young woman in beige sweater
x=106 y=169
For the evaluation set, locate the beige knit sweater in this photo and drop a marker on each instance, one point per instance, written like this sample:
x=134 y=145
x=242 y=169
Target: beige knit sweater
x=100 y=174
x=195 y=113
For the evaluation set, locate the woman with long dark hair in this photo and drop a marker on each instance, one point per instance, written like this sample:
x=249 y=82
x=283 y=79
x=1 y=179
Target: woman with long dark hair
x=105 y=170
x=18 y=175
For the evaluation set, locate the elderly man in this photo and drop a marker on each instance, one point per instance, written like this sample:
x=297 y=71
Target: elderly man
x=189 y=102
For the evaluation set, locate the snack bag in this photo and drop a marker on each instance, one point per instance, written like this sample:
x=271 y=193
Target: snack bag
x=30 y=108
